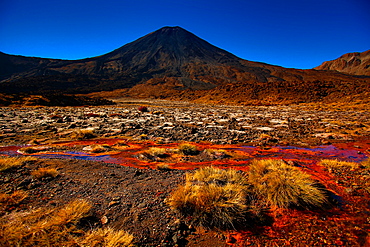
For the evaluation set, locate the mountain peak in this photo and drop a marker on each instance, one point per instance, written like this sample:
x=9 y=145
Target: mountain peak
x=169 y=47
x=171 y=28
x=172 y=32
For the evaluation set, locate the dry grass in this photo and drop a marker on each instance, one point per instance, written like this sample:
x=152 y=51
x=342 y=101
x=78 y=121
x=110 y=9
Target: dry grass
x=357 y=171
x=45 y=173
x=44 y=227
x=157 y=152
x=283 y=185
x=188 y=149
x=214 y=175
x=332 y=165
x=218 y=153
x=108 y=238
x=57 y=227
x=213 y=197
x=7 y=163
x=12 y=199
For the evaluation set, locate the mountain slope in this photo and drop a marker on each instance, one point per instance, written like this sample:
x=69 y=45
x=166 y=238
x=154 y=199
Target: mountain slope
x=355 y=63
x=173 y=63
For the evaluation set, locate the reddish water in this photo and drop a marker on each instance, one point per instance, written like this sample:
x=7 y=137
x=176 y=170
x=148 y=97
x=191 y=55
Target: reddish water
x=125 y=152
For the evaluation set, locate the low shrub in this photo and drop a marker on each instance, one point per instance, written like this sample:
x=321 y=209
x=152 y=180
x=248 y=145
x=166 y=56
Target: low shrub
x=283 y=185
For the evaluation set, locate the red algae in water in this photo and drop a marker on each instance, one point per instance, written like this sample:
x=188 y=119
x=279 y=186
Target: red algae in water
x=125 y=152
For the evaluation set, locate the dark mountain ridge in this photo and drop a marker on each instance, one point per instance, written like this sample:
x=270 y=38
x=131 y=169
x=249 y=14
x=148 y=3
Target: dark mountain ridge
x=174 y=63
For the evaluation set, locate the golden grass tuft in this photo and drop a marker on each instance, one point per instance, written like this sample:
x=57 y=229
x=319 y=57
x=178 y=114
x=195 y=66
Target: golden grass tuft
x=188 y=149
x=57 y=227
x=44 y=227
x=7 y=163
x=157 y=152
x=108 y=238
x=283 y=185
x=12 y=199
x=213 y=197
x=218 y=153
x=214 y=175
x=336 y=164
x=45 y=173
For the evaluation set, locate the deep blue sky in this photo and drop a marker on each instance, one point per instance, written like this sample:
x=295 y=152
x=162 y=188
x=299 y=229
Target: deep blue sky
x=294 y=34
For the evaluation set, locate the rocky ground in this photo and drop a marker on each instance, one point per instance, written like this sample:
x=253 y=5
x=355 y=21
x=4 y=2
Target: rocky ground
x=134 y=199
x=171 y=122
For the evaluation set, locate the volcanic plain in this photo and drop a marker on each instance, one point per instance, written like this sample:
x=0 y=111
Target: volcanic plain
x=106 y=155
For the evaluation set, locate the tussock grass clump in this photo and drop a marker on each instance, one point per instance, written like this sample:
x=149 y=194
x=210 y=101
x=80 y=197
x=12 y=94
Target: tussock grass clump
x=108 y=237
x=188 y=149
x=44 y=227
x=218 y=153
x=215 y=198
x=57 y=227
x=332 y=165
x=214 y=175
x=157 y=152
x=7 y=163
x=45 y=173
x=83 y=134
x=12 y=199
x=356 y=171
x=283 y=185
